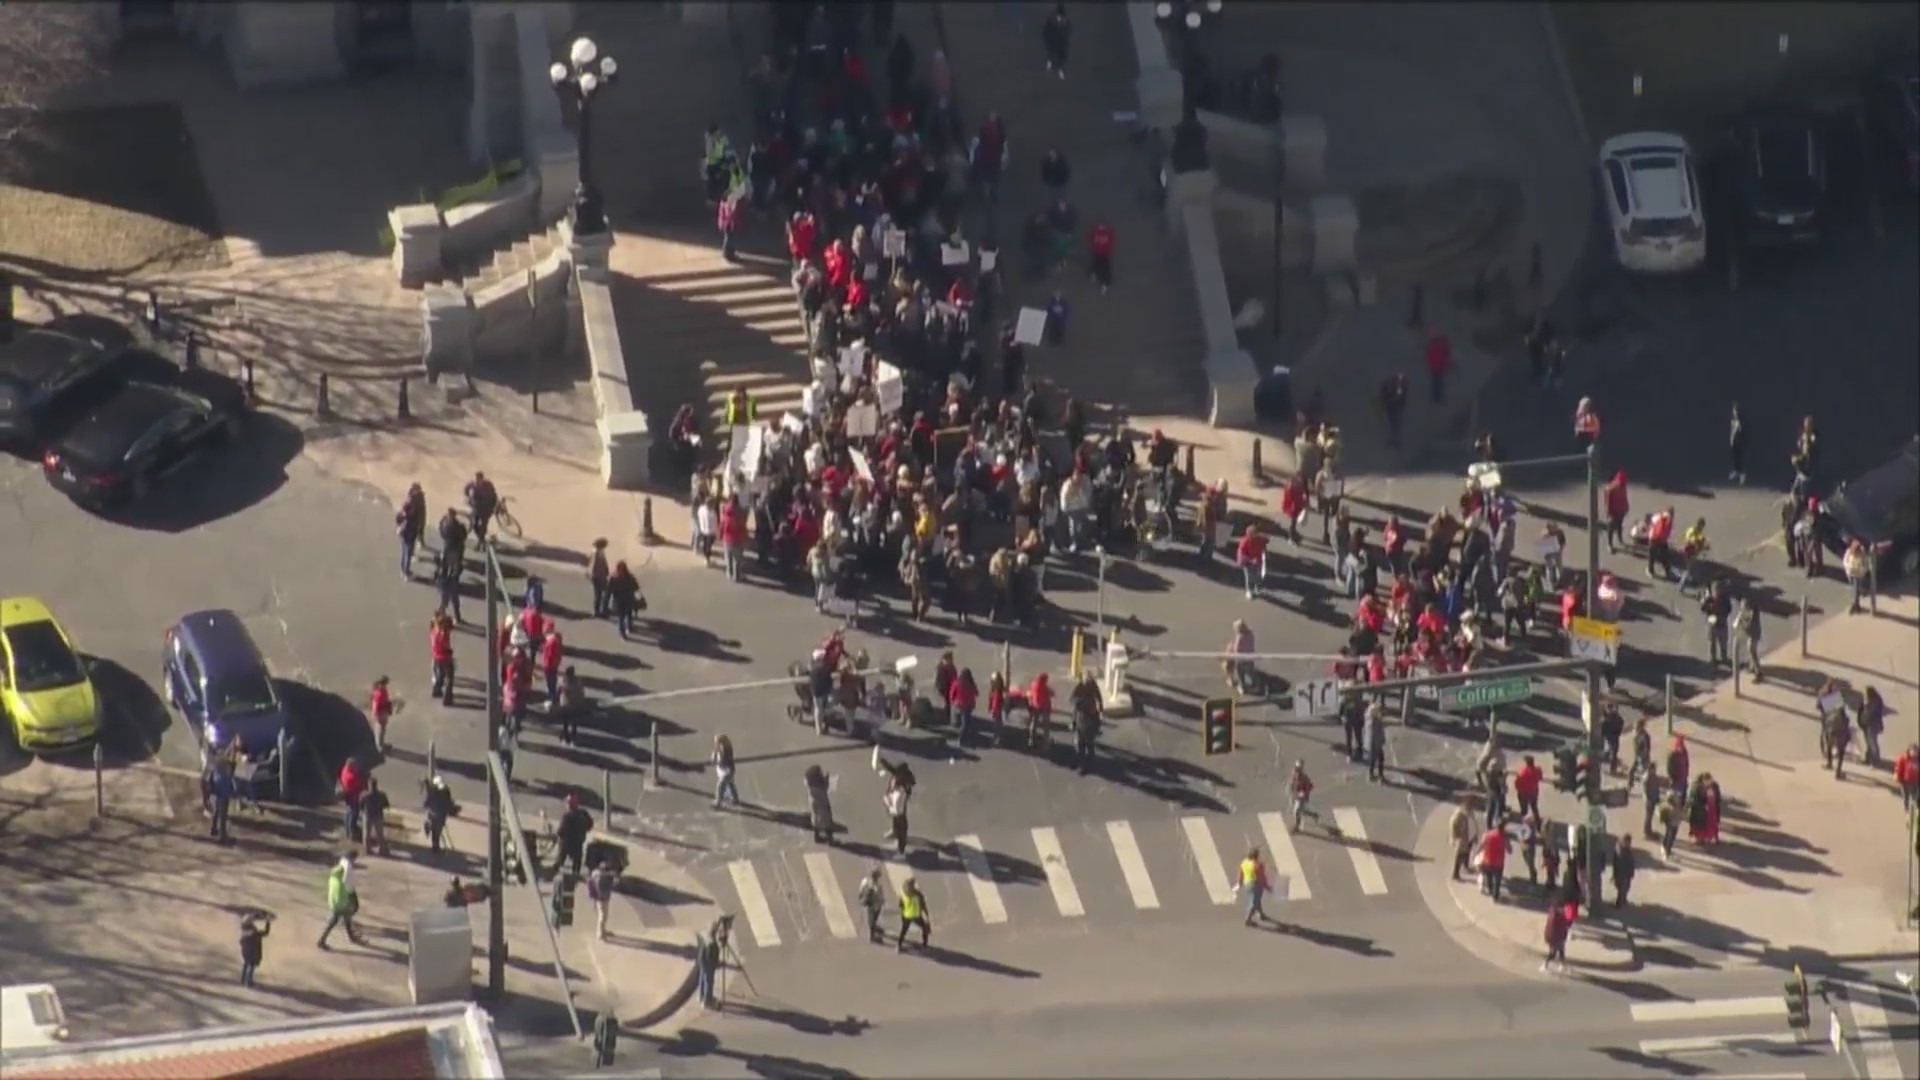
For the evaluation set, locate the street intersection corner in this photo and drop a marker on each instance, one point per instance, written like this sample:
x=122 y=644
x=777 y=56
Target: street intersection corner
x=1508 y=935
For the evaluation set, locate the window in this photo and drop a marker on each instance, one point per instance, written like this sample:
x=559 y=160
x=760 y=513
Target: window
x=239 y=696
x=1617 y=179
x=40 y=658
x=189 y=673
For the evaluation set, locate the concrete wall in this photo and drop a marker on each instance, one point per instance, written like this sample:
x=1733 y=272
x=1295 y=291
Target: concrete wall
x=281 y=43
x=1292 y=153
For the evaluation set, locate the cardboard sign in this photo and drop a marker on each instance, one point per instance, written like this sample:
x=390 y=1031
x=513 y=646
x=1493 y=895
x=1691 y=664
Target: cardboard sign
x=1031 y=329
x=955 y=254
x=861 y=466
x=893 y=243
x=853 y=360
x=1546 y=547
x=790 y=422
x=863 y=422
x=745 y=451
x=888 y=385
x=988 y=260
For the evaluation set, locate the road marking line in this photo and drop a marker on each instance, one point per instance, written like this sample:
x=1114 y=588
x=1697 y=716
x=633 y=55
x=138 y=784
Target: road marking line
x=1659 y=1012
x=1870 y=1015
x=1213 y=872
x=1132 y=866
x=1366 y=865
x=827 y=890
x=1054 y=861
x=1283 y=857
x=753 y=904
x=980 y=876
x=1743 y=1043
x=1719 y=1044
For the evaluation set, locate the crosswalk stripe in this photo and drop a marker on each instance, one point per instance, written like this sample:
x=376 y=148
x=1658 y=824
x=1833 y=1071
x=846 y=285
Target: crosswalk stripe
x=1366 y=866
x=826 y=889
x=980 y=875
x=1060 y=879
x=1658 y=1012
x=1870 y=1015
x=1132 y=866
x=1715 y=1044
x=1213 y=872
x=1284 y=859
x=753 y=904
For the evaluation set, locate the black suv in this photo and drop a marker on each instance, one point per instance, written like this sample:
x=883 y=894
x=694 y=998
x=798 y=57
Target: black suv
x=1881 y=509
x=51 y=375
x=1777 y=160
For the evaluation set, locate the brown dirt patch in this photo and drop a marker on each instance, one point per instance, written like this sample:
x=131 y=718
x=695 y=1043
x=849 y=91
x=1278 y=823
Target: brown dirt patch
x=108 y=191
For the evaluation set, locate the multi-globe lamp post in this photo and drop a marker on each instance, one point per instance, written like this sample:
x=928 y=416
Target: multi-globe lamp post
x=580 y=79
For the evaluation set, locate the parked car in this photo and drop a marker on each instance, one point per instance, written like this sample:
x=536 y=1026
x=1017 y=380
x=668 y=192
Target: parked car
x=215 y=677
x=49 y=377
x=44 y=686
x=1893 y=103
x=1880 y=508
x=1778 y=162
x=131 y=441
x=1653 y=203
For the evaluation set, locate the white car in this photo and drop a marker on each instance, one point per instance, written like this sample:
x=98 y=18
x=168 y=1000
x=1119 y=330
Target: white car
x=1653 y=203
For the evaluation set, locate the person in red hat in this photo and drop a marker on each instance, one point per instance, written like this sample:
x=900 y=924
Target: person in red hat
x=1100 y=254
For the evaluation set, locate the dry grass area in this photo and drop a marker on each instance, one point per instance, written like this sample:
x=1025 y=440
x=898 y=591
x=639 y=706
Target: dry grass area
x=111 y=191
x=1698 y=61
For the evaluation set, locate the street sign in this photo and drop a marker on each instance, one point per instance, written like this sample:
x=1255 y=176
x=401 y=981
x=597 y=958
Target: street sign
x=1597 y=819
x=1482 y=695
x=1592 y=639
x=1316 y=697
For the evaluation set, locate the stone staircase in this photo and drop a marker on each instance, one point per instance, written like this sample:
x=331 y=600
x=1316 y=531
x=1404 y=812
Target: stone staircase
x=505 y=263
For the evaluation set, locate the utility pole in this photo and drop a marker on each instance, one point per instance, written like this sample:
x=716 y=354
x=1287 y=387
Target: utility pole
x=1596 y=835
x=496 y=855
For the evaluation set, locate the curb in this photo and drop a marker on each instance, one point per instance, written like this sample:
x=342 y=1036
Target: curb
x=675 y=999
x=1499 y=949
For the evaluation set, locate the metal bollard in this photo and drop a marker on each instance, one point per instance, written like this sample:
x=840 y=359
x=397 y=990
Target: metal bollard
x=1803 y=627
x=1536 y=276
x=322 y=407
x=1258 y=471
x=405 y=410
x=647 y=535
x=653 y=752
x=1669 y=702
x=1190 y=469
x=606 y=796
x=246 y=381
x=1414 y=316
x=192 y=359
x=99 y=782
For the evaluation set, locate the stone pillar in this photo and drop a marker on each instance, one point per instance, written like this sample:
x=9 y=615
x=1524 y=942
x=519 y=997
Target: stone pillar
x=1188 y=189
x=417 y=233
x=589 y=253
x=447 y=326
x=278 y=43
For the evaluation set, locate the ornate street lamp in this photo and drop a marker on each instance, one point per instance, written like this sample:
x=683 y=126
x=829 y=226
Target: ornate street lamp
x=1182 y=20
x=581 y=78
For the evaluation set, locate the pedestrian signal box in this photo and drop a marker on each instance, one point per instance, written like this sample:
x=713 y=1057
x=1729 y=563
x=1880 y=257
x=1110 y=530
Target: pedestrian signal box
x=1217 y=716
x=1799 y=1014
x=1566 y=765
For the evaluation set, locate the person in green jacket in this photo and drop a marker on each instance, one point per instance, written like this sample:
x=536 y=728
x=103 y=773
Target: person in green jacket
x=343 y=903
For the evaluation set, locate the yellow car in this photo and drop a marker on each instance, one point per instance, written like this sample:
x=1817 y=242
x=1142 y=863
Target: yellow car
x=44 y=688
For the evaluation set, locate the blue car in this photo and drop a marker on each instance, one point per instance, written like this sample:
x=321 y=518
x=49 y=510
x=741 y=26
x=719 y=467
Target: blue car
x=217 y=679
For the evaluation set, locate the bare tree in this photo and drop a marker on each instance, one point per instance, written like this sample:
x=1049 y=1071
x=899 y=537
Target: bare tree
x=43 y=49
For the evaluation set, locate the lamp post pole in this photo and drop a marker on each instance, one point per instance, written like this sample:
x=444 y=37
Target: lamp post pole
x=584 y=74
x=1596 y=859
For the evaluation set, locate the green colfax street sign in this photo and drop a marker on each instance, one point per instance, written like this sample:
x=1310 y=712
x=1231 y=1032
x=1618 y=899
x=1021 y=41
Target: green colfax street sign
x=1482 y=695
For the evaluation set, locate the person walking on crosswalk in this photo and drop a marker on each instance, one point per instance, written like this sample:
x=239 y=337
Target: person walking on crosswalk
x=873 y=899
x=1300 y=786
x=913 y=912
x=1376 y=743
x=1253 y=887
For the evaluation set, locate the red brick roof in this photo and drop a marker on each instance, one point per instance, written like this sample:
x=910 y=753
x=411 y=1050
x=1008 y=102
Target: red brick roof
x=394 y=1055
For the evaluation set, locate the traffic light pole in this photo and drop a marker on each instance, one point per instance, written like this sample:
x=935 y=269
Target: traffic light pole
x=1596 y=838
x=496 y=855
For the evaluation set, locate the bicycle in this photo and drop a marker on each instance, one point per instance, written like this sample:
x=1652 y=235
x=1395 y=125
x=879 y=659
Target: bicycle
x=504 y=519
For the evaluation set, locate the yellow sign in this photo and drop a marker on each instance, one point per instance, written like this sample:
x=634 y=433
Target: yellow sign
x=1596 y=630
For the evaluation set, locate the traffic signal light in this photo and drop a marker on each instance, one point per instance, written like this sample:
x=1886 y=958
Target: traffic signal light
x=1565 y=764
x=562 y=899
x=1216 y=725
x=1799 y=1016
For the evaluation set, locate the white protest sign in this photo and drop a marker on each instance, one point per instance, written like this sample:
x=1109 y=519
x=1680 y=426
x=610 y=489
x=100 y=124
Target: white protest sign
x=889 y=386
x=863 y=422
x=955 y=254
x=893 y=243
x=790 y=422
x=861 y=467
x=989 y=259
x=1546 y=547
x=1031 y=328
x=853 y=360
x=749 y=445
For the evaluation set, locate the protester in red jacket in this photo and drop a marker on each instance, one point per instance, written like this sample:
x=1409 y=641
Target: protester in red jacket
x=1439 y=364
x=1493 y=861
x=1251 y=555
x=1100 y=254
x=1526 y=786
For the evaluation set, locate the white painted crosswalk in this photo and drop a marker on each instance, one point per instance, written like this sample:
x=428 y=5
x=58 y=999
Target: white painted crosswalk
x=1063 y=873
x=1754 y=1030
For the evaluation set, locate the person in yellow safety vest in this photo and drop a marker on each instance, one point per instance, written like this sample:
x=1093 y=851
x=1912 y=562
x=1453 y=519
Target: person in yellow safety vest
x=913 y=912
x=741 y=408
x=1253 y=886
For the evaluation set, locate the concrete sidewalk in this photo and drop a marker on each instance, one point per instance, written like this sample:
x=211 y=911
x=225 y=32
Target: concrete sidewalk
x=134 y=919
x=1809 y=868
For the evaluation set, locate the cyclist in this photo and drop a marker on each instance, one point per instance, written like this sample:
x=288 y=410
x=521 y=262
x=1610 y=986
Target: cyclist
x=1240 y=673
x=1300 y=786
x=482 y=501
